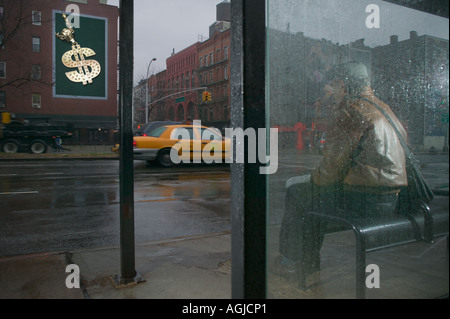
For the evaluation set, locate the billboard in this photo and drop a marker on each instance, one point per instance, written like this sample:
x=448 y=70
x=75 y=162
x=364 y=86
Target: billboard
x=80 y=57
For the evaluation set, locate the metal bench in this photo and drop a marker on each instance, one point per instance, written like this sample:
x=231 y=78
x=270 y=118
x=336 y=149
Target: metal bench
x=377 y=234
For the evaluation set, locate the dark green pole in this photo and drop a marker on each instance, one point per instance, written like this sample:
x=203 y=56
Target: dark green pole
x=126 y=171
x=248 y=191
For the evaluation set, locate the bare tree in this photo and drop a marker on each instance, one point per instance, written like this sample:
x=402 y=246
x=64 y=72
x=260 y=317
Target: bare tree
x=15 y=19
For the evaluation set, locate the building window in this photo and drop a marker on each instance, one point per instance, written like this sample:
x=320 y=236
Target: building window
x=36 y=17
x=2 y=99
x=36 y=72
x=2 y=70
x=211 y=58
x=201 y=62
x=36 y=44
x=225 y=53
x=1 y=12
x=225 y=72
x=36 y=100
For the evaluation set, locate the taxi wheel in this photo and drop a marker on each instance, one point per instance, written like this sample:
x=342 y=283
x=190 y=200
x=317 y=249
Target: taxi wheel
x=164 y=158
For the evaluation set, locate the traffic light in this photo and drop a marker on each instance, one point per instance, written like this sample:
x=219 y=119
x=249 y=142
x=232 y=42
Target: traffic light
x=205 y=96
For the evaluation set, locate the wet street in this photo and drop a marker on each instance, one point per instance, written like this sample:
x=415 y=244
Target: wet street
x=53 y=206
x=64 y=205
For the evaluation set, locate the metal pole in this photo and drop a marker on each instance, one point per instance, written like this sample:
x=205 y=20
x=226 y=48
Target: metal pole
x=126 y=171
x=248 y=194
x=146 y=91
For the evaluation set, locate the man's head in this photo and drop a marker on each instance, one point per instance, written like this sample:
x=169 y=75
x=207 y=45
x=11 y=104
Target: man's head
x=352 y=77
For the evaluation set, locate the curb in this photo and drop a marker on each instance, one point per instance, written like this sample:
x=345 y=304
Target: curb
x=46 y=158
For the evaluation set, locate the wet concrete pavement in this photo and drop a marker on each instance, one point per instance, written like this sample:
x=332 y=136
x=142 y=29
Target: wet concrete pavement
x=196 y=267
x=199 y=267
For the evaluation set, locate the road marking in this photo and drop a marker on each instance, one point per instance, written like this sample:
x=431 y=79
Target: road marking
x=19 y=193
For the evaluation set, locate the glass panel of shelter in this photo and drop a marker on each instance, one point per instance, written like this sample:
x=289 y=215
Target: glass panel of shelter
x=403 y=55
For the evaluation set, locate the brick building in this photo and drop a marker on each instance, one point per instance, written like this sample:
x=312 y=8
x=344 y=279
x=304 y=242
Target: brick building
x=182 y=90
x=213 y=73
x=157 y=93
x=203 y=66
x=423 y=109
x=33 y=81
x=156 y=101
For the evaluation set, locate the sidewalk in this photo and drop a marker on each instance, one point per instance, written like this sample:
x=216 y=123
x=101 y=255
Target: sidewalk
x=73 y=152
x=197 y=267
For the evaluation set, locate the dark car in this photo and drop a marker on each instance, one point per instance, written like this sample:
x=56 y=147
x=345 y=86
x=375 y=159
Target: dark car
x=146 y=129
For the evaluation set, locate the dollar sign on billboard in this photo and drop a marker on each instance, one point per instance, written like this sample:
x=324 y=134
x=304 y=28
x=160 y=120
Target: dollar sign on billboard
x=87 y=69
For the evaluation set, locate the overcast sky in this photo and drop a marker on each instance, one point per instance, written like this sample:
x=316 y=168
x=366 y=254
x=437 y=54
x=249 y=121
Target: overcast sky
x=163 y=25
x=334 y=21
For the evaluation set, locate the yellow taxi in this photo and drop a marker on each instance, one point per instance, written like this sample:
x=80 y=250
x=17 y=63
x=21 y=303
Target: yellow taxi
x=173 y=144
x=115 y=148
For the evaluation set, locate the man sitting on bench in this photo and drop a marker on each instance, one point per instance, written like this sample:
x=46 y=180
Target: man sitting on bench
x=362 y=170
